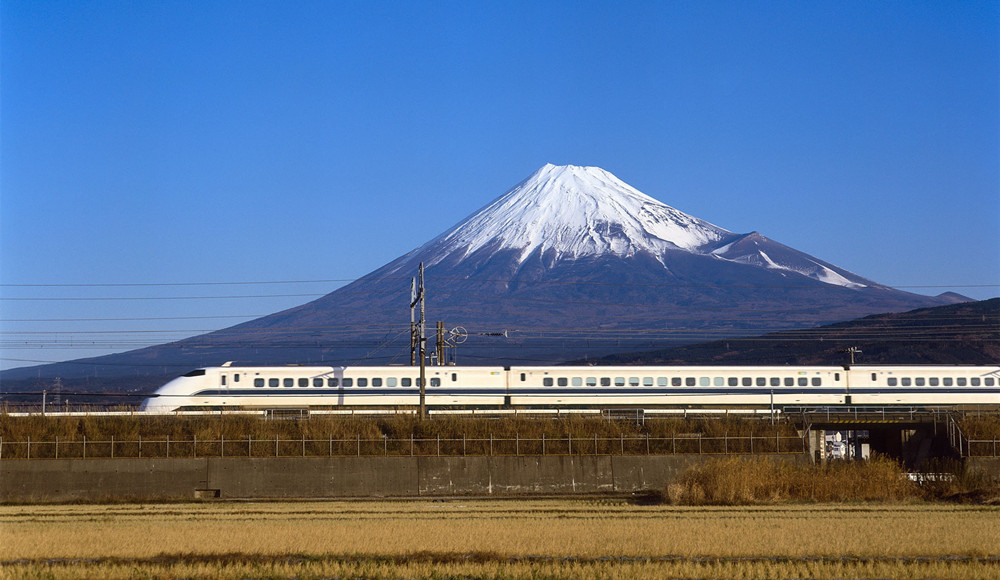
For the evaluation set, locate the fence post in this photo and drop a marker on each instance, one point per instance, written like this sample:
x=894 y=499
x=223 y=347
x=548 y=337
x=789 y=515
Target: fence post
x=463 y=445
x=84 y=446
x=303 y=444
x=222 y=445
x=139 y=452
x=543 y=443
x=647 y=443
x=517 y=444
x=29 y=446
x=411 y=444
x=359 y=444
x=622 y=436
x=725 y=442
x=167 y=450
x=112 y=447
x=194 y=446
x=57 y=447
x=570 y=444
x=275 y=444
x=751 y=442
x=673 y=443
x=249 y=445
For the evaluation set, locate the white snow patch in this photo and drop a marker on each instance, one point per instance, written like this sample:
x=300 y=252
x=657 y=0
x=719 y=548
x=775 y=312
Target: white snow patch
x=576 y=212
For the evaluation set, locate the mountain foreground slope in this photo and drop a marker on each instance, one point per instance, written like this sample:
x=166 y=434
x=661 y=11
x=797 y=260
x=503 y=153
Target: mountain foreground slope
x=571 y=262
x=965 y=333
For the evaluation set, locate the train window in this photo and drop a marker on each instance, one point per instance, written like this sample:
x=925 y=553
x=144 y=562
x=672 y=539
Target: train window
x=933 y=381
x=836 y=376
x=435 y=382
x=454 y=377
x=775 y=382
x=406 y=382
x=675 y=381
x=904 y=382
x=789 y=382
x=661 y=381
x=974 y=381
x=348 y=382
x=522 y=377
x=633 y=381
x=258 y=382
x=761 y=382
x=919 y=381
x=236 y=378
x=605 y=382
x=747 y=381
x=619 y=381
x=223 y=380
x=947 y=381
x=817 y=381
x=376 y=382
x=390 y=382
x=577 y=382
x=547 y=382
x=891 y=381
x=703 y=381
x=562 y=381
x=317 y=382
x=288 y=383
x=689 y=381
x=960 y=381
x=803 y=382
x=303 y=382
x=195 y=373
x=591 y=381
x=873 y=377
x=647 y=381
x=734 y=381
x=362 y=382
x=273 y=382
x=719 y=381
x=333 y=382
x=988 y=381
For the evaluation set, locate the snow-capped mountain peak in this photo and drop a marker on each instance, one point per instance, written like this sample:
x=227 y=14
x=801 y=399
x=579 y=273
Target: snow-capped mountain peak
x=569 y=212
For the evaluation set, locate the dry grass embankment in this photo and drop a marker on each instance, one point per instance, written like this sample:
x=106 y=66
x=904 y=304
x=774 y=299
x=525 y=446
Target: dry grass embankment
x=760 y=480
x=249 y=435
x=497 y=539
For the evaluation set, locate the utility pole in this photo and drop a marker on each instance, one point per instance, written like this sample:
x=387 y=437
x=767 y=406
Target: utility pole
x=417 y=336
x=852 y=351
x=439 y=347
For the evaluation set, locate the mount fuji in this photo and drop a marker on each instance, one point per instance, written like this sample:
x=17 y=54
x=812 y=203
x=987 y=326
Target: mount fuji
x=571 y=262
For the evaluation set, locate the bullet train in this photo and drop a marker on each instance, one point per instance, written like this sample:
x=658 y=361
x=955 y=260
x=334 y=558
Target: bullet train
x=576 y=387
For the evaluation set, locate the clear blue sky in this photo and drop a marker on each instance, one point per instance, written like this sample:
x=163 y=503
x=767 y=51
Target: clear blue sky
x=180 y=141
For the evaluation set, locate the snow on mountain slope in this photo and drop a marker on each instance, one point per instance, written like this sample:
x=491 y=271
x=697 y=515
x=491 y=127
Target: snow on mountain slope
x=566 y=213
x=757 y=250
x=576 y=212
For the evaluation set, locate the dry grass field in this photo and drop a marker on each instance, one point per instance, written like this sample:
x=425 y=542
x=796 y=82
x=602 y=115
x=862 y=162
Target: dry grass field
x=497 y=539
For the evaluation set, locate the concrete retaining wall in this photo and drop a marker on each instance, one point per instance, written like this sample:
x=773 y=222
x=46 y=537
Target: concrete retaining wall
x=320 y=477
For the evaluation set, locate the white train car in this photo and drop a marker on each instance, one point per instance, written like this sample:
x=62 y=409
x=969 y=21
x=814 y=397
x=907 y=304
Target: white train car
x=311 y=387
x=701 y=386
x=924 y=385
